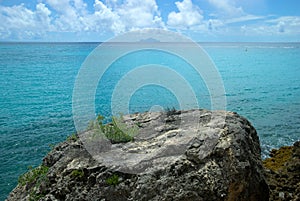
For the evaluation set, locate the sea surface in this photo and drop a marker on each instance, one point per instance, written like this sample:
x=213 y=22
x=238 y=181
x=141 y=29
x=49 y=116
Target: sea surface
x=261 y=81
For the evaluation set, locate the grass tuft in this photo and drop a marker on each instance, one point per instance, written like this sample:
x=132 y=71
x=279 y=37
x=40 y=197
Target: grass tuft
x=72 y=137
x=77 y=173
x=113 y=180
x=33 y=175
x=117 y=131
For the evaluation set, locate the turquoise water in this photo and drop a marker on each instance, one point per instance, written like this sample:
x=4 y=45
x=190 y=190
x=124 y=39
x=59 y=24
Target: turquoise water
x=262 y=83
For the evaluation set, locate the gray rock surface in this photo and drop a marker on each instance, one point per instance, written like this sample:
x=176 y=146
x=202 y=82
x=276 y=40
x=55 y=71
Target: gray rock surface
x=182 y=155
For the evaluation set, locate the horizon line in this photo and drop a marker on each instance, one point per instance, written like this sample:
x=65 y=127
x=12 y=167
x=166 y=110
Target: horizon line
x=149 y=42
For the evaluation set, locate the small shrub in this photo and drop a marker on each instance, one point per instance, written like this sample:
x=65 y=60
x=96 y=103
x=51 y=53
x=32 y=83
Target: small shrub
x=117 y=131
x=33 y=175
x=72 y=137
x=113 y=180
x=77 y=173
x=138 y=124
x=33 y=196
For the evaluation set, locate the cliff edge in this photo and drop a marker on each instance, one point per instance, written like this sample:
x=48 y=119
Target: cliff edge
x=176 y=155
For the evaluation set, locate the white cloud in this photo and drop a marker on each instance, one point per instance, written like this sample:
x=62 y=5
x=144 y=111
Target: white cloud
x=287 y=26
x=61 y=6
x=80 y=6
x=214 y=24
x=111 y=17
x=233 y=20
x=292 y=20
x=229 y=13
x=69 y=14
x=72 y=16
x=130 y=15
x=189 y=15
x=140 y=14
x=22 y=23
x=104 y=19
x=227 y=8
x=243 y=18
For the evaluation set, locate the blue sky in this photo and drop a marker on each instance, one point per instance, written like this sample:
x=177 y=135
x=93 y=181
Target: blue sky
x=201 y=20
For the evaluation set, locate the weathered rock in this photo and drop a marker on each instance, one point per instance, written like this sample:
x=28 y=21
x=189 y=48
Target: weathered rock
x=182 y=155
x=283 y=173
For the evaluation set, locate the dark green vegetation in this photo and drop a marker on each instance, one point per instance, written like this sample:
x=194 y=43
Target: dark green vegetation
x=72 y=137
x=33 y=174
x=117 y=131
x=77 y=173
x=35 y=178
x=282 y=173
x=113 y=180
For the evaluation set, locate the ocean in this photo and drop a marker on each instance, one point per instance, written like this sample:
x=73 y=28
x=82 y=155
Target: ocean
x=261 y=81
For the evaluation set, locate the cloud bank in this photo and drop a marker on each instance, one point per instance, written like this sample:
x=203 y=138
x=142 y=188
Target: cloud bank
x=225 y=19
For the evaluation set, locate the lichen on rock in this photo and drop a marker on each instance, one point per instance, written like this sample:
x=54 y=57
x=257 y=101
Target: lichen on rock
x=282 y=171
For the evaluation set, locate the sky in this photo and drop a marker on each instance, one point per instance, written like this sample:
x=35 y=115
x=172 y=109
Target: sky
x=100 y=20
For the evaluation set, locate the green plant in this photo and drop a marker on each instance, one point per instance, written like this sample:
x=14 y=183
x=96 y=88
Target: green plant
x=33 y=175
x=72 y=137
x=77 y=173
x=34 y=196
x=138 y=124
x=117 y=131
x=113 y=180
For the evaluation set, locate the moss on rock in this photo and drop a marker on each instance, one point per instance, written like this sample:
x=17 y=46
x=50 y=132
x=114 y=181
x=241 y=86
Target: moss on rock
x=282 y=173
x=278 y=158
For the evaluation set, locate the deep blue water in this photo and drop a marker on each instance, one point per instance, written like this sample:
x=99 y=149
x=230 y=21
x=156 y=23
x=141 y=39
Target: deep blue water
x=262 y=83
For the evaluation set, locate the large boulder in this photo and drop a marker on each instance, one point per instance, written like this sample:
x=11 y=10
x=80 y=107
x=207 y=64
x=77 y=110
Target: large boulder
x=177 y=155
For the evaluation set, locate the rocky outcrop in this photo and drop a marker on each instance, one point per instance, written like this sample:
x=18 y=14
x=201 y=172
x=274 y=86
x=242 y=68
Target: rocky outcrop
x=178 y=155
x=283 y=173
